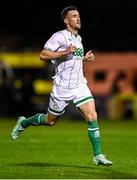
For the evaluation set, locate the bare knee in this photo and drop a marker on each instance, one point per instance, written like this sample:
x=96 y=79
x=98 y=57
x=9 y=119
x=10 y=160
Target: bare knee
x=51 y=120
x=88 y=111
x=50 y=123
x=91 y=116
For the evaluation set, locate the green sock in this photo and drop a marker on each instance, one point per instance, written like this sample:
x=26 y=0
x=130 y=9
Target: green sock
x=94 y=136
x=36 y=120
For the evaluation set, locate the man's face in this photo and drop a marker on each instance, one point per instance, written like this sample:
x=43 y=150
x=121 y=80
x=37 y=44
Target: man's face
x=73 y=19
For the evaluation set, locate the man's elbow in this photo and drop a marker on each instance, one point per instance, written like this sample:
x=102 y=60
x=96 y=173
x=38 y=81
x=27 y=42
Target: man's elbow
x=43 y=57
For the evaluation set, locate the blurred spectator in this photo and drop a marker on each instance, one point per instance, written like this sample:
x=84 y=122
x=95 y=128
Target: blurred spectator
x=124 y=88
x=6 y=89
x=103 y=82
x=26 y=92
x=124 y=83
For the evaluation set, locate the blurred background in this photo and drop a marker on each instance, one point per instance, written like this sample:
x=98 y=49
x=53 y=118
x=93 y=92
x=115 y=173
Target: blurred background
x=109 y=28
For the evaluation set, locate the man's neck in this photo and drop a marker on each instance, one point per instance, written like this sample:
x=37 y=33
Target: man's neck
x=73 y=31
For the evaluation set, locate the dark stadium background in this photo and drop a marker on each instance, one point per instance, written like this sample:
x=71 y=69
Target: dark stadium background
x=110 y=24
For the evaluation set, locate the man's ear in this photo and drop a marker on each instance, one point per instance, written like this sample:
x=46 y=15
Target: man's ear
x=66 y=21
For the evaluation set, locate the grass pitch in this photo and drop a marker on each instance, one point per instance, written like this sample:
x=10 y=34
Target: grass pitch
x=65 y=152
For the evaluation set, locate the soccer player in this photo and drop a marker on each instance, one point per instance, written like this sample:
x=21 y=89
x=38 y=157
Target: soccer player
x=65 y=50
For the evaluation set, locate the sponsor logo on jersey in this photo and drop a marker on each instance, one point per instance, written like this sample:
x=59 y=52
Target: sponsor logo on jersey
x=79 y=52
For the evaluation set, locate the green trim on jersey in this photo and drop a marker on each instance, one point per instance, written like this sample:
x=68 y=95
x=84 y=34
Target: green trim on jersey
x=83 y=101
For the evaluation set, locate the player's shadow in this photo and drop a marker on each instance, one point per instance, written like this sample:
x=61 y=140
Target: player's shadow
x=107 y=172
x=42 y=164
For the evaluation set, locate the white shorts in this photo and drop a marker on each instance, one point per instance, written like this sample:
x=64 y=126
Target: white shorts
x=60 y=98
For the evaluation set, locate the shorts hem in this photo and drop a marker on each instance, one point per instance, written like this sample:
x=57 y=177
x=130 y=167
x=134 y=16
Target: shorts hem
x=81 y=103
x=55 y=113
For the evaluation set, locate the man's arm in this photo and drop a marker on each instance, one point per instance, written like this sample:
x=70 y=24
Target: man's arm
x=48 y=55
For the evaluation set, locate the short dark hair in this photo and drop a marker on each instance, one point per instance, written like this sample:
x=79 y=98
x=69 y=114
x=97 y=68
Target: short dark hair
x=65 y=11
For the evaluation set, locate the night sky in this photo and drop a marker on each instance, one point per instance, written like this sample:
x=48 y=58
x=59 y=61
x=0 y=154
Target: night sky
x=106 y=25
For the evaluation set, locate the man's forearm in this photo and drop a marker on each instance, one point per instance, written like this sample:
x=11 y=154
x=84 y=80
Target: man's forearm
x=47 y=55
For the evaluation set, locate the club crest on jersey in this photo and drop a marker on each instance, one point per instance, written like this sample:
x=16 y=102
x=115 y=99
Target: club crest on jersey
x=56 y=106
x=79 y=52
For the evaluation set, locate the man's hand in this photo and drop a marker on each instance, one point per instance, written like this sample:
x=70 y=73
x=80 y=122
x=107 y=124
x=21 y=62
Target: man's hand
x=70 y=49
x=89 y=56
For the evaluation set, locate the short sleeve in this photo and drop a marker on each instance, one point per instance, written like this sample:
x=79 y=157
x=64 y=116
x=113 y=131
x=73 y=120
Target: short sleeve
x=55 y=42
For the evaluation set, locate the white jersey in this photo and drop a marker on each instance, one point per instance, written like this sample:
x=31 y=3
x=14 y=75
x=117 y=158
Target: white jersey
x=69 y=69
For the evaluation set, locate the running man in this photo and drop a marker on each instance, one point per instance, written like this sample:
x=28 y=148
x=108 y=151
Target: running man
x=65 y=50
